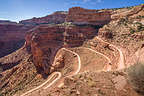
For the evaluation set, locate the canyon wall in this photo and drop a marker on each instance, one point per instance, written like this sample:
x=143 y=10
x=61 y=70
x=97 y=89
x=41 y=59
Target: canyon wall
x=55 y=18
x=44 y=41
x=11 y=37
x=12 y=34
x=79 y=16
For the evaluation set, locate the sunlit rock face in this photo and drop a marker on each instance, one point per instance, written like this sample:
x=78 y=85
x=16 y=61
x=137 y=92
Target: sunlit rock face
x=81 y=16
x=136 y=11
x=44 y=41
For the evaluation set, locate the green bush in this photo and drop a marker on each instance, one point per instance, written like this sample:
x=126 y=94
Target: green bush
x=132 y=31
x=123 y=21
x=136 y=77
x=140 y=27
x=140 y=17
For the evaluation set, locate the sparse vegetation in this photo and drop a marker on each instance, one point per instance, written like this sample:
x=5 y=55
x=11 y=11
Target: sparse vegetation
x=136 y=76
x=123 y=21
x=132 y=31
x=140 y=27
x=66 y=24
x=140 y=17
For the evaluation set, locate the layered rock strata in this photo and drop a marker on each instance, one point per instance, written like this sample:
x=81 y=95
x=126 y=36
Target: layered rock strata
x=44 y=41
x=80 y=16
x=11 y=37
x=55 y=18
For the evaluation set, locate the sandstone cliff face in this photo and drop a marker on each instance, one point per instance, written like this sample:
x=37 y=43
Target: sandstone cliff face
x=55 y=18
x=79 y=15
x=44 y=41
x=11 y=37
x=76 y=35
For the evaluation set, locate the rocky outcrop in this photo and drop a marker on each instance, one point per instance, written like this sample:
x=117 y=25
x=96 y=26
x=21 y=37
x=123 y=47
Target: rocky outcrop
x=55 y=18
x=131 y=12
x=105 y=33
x=80 y=16
x=59 y=63
x=11 y=37
x=44 y=42
x=76 y=35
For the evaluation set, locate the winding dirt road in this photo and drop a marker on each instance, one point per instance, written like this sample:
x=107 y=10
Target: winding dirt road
x=30 y=91
x=75 y=73
x=107 y=69
x=109 y=61
x=121 y=64
x=55 y=73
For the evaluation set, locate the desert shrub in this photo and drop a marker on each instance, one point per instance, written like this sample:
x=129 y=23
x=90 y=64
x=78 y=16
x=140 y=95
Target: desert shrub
x=140 y=17
x=123 y=21
x=132 y=31
x=140 y=27
x=136 y=77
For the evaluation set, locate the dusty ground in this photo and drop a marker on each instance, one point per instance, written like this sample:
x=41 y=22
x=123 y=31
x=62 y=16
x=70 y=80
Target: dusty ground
x=103 y=48
x=90 y=61
x=87 y=84
x=18 y=73
x=70 y=62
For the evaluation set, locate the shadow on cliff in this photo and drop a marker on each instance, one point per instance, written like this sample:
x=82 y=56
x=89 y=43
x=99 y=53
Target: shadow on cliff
x=7 y=66
x=7 y=48
x=87 y=31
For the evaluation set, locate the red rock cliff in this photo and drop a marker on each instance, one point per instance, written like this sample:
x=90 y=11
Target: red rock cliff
x=44 y=41
x=79 y=15
x=11 y=37
x=55 y=18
